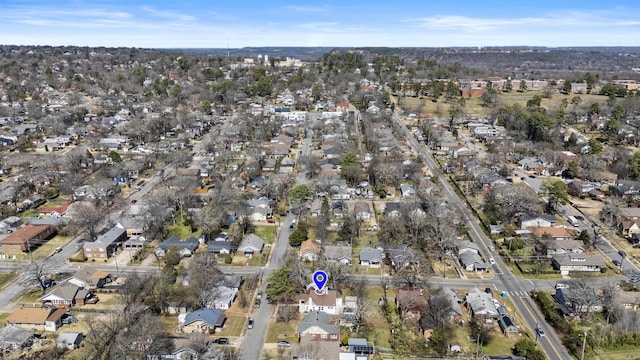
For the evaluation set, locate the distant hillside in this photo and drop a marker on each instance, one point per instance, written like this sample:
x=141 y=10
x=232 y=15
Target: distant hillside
x=302 y=53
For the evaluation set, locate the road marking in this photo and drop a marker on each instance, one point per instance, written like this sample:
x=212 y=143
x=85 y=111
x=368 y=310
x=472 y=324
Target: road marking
x=553 y=347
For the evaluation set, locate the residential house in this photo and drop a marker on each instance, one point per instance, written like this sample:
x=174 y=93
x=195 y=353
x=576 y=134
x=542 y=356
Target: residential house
x=629 y=300
x=207 y=321
x=507 y=325
x=68 y=294
x=362 y=210
x=89 y=278
x=15 y=338
x=406 y=191
x=251 y=245
x=48 y=319
x=54 y=211
x=628 y=188
x=27 y=238
x=410 y=302
x=455 y=301
x=579 y=188
x=105 y=245
x=180 y=354
x=400 y=256
x=309 y=250
x=596 y=194
x=330 y=302
x=318 y=325
x=568 y=246
x=260 y=209
x=220 y=247
x=481 y=305
x=469 y=257
x=629 y=228
x=338 y=253
x=223 y=298
x=177 y=307
x=495 y=229
x=185 y=247
x=534 y=219
x=339 y=209
x=287 y=165
x=69 y=340
x=589 y=301
x=555 y=233
x=371 y=257
x=392 y=209
x=567 y=263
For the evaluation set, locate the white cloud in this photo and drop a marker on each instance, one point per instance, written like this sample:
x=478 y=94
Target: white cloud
x=307 y=9
x=168 y=14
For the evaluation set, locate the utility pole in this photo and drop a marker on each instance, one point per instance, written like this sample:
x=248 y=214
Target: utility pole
x=584 y=344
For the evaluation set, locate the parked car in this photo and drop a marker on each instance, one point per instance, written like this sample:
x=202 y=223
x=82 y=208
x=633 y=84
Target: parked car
x=256 y=304
x=562 y=286
x=283 y=343
x=250 y=323
x=616 y=262
x=221 y=341
x=46 y=283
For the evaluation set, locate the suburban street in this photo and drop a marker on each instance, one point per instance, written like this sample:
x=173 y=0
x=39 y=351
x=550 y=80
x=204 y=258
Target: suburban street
x=504 y=279
x=253 y=348
x=516 y=288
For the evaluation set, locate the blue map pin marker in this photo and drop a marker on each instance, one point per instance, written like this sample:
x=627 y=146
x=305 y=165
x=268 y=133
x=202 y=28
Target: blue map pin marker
x=320 y=279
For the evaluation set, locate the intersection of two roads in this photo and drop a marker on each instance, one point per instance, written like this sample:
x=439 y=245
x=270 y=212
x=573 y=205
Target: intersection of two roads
x=252 y=344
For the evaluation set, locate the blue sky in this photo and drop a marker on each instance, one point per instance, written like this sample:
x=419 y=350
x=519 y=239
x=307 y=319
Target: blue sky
x=215 y=23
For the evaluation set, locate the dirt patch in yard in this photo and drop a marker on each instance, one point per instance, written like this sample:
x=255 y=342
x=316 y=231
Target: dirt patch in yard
x=589 y=207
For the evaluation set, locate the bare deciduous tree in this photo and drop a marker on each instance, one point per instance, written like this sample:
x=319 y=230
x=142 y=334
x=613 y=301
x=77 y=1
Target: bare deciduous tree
x=204 y=279
x=287 y=312
x=36 y=271
x=87 y=217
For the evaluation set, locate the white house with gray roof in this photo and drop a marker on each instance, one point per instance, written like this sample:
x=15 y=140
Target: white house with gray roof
x=371 y=257
x=251 y=245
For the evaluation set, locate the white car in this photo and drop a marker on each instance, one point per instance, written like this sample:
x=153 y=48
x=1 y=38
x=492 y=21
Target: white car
x=492 y=249
x=491 y=261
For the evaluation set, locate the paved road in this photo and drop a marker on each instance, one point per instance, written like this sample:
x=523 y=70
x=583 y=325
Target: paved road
x=504 y=279
x=602 y=243
x=253 y=343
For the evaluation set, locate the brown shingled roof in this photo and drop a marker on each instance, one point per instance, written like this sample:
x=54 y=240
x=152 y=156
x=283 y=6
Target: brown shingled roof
x=23 y=234
x=28 y=315
x=328 y=299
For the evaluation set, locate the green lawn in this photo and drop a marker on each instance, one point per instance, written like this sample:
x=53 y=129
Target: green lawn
x=30 y=295
x=500 y=345
x=266 y=232
x=279 y=331
x=627 y=354
x=2 y=317
x=182 y=231
x=262 y=259
x=234 y=326
x=48 y=248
